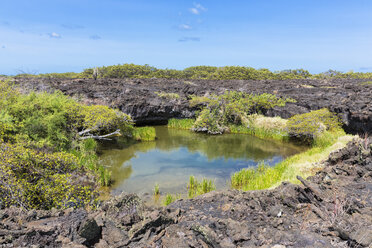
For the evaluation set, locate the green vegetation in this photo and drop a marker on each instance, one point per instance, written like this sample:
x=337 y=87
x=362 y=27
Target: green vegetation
x=305 y=127
x=196 y=188
x=181 y=123
x=309 y=127
x=263 y=127
x=156 y=190
x=48 y=149
x=169 y=198
x=200 y=72
x=232 y=108
x=367 y=83
x=167 y=95
x=144 y=133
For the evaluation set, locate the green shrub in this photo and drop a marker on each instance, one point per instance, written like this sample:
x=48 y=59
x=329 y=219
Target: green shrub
x=310 y=126
x=231 y=108
x=48 y=156
x=35 y=179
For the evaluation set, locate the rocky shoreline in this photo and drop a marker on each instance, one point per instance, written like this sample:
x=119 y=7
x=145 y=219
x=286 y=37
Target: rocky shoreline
x=331 y=209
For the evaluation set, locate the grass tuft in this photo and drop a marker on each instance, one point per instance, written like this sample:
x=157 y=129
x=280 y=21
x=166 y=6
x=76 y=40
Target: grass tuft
x=169 y=198
x=156 y=190
x=181 y=123
x=167 y=95
x=144 y=133
x=196 y=188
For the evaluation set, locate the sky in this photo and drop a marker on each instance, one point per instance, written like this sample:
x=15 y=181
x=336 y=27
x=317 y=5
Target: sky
x=69 y=35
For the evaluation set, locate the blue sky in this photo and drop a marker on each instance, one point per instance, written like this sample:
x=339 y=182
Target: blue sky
x=68 y=35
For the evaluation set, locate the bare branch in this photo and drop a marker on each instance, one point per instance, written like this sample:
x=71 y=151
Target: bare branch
x=100 y=137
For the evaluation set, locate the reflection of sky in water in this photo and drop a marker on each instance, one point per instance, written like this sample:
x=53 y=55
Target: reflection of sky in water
x=169 y=161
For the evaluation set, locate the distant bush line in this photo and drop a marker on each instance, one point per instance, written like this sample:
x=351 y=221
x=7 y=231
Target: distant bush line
x=200 y=72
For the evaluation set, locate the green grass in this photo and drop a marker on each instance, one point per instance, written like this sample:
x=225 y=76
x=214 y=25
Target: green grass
x=196 y=188
x=262 y=133
x=262 y=127
x=169 y=198
x=181 y=123
x=156 y=190
x=144 y=133
x=367 y=83
x=167 y=95
x=303 y=164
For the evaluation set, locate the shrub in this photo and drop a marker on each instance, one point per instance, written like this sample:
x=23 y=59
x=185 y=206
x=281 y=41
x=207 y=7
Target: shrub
x=47 y=154
x=232 y=107
x=35 y=179
x=310 y=126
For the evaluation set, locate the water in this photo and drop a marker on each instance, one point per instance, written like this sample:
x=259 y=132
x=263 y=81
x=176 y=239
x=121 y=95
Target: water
x=177 y=154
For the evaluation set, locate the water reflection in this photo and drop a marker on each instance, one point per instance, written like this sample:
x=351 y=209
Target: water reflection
x=177 y=154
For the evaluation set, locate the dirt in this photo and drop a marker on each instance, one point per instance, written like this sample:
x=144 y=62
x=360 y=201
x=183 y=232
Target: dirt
x=138 y=97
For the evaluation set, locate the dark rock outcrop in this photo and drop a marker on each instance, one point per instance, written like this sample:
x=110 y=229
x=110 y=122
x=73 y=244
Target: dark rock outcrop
x=137 y=97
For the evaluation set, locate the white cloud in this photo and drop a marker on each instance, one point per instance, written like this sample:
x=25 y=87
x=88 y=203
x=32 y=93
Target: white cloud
x=54 y=35
x=184 y=27
x=197 y=9
x=200 y=7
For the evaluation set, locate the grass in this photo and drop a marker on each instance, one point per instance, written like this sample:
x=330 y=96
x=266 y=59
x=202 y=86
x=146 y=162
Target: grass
x=156 y=190
x=303 y=164
x=169 y=198
x=262 y=127
x=367 y=83
x=181 y=123
x=167 y=95
x=144 y=133
x=196 y=188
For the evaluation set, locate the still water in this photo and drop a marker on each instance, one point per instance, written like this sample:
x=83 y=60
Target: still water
x=177 y=154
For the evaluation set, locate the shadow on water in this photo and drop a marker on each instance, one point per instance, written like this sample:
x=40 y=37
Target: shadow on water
x=177 y=154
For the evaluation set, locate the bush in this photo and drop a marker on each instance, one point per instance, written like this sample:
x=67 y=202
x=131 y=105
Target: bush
x=47 y=155
x=310 y=126
x=231 y=108
x=35 y=179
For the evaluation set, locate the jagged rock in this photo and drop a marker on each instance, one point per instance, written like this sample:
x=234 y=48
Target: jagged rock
x=90 y=231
